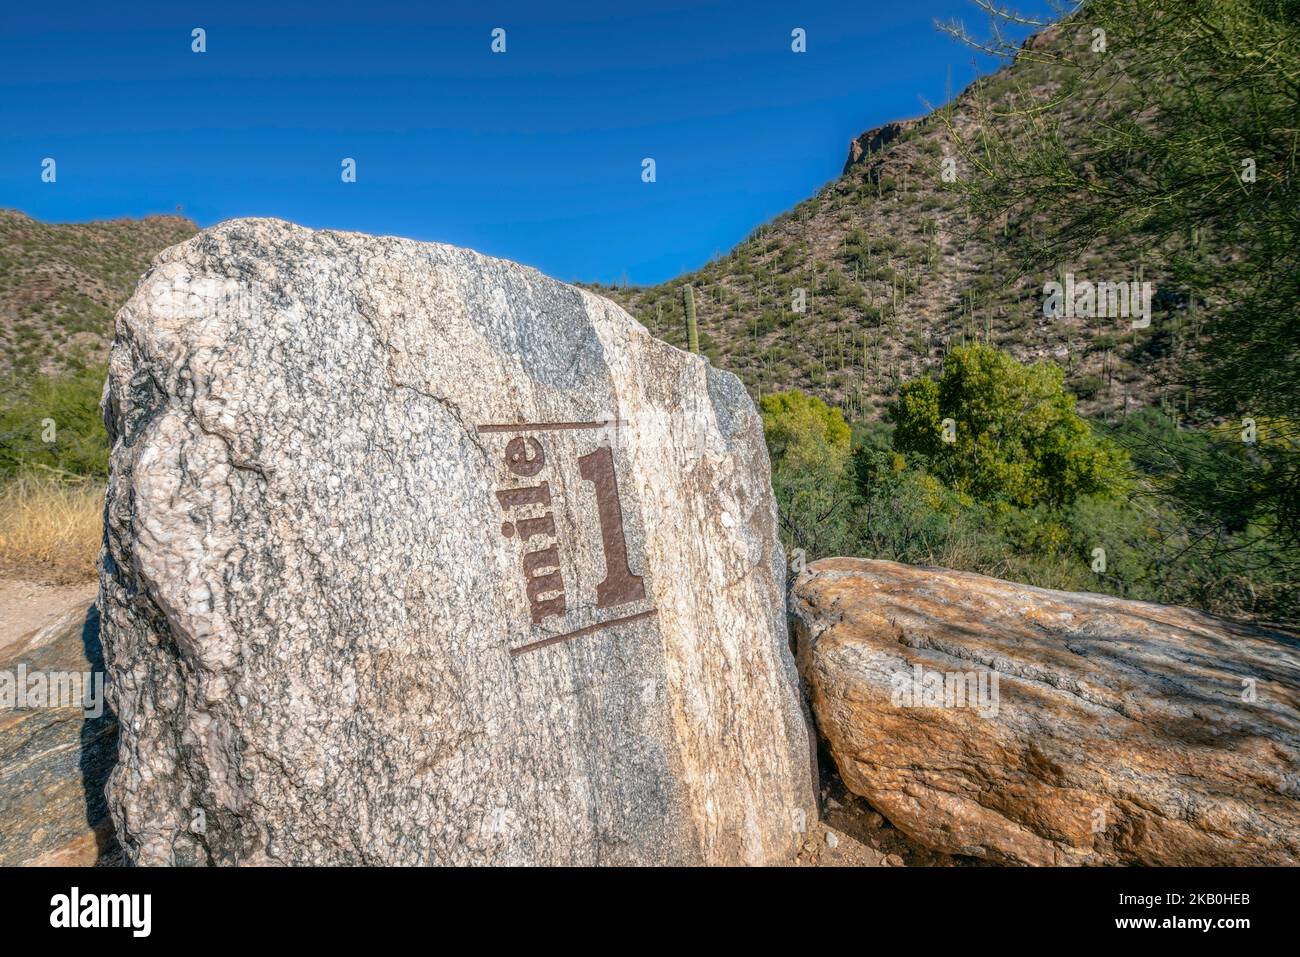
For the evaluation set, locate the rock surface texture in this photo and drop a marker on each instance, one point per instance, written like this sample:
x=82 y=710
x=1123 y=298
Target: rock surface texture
x=56 y=746
x=1117 y=731
x=418 y=556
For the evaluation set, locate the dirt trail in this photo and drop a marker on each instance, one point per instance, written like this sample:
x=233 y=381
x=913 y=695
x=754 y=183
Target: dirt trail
x=30 y=609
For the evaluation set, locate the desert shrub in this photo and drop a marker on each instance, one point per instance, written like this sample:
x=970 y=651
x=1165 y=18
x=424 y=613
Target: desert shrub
x=1189 y=165
x=53 y=459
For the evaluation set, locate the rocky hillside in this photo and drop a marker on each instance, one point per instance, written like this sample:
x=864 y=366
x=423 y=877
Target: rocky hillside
x=894 y=271
x=60 y=284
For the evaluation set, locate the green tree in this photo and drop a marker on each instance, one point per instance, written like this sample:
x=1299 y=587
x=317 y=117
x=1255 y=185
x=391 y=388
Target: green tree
x=998 y=430
x=809 y=443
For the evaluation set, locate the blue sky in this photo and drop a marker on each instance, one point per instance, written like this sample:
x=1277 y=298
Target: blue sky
x=534 y=154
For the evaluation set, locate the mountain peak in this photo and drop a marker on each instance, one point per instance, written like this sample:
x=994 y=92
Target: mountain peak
x=873 y=140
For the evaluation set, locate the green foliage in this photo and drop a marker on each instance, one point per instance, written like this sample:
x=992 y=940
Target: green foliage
x=804 y=429
x=1219 y=490
x=1015 y=435
x=54 y=422
x=809 y=444
x=899 y=493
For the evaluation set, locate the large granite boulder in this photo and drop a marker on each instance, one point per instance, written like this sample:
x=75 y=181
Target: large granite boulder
x=418 y=556
x=1031 y=726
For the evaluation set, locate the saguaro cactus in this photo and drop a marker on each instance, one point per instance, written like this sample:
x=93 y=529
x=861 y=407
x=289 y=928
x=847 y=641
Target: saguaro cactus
x=692 y=330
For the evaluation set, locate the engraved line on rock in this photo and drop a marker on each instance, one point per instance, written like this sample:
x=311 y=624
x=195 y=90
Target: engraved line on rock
x=548 y=426
x=534 y=645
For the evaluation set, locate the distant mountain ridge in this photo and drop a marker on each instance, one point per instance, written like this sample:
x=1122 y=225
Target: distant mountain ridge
x=62 y=283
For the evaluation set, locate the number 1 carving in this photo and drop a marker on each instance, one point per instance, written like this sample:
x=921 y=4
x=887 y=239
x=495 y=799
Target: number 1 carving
x=620 y=585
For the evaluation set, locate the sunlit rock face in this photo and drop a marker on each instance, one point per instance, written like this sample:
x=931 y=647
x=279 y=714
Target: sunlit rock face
x=418 y=556
x=1031 y=726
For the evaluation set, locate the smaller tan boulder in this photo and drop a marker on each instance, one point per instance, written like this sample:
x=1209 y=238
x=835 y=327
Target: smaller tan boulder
x=1044 y=727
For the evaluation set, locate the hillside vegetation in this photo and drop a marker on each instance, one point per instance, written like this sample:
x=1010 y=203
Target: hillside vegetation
x=61 y=284
x=1094 y=445
x=895 y=271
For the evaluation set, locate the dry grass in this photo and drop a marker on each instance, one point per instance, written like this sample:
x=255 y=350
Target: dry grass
x=50 y=528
